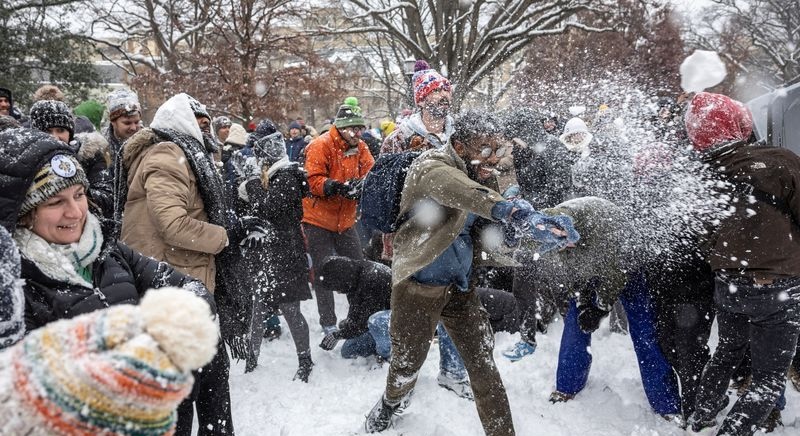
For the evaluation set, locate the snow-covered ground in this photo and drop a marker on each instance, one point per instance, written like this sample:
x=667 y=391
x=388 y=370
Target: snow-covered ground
x=340 y=392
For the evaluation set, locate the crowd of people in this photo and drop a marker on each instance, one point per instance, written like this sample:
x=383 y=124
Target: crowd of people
x=433 y=226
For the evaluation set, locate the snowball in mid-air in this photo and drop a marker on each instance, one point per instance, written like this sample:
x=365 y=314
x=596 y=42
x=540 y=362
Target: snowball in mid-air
x=702 y=69
x=577 y=110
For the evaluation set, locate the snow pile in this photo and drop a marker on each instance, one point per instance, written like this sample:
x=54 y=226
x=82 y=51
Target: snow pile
x=340 y=392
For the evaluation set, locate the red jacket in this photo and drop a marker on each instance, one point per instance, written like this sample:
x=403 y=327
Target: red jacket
x=328 y=156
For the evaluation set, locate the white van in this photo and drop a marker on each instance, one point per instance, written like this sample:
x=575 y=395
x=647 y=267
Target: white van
x=777 y=117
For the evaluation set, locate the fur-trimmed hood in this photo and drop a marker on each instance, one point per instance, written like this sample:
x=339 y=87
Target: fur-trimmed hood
x=137 y=143
x=93 y=144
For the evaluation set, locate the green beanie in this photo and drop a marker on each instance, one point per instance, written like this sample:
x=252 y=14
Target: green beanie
x=349 y=114
x=91 y=110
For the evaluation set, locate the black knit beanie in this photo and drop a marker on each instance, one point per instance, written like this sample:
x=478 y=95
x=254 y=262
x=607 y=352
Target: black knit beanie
x=46 y=114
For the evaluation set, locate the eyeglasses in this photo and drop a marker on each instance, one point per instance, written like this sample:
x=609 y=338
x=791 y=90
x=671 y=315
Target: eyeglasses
x=356 y=129
x=488 y=151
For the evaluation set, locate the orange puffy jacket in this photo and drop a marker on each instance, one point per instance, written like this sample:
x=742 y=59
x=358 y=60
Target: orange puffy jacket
x=328 y=156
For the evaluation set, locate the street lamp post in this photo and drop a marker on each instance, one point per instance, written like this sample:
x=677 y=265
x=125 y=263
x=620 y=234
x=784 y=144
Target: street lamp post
x=408 y=70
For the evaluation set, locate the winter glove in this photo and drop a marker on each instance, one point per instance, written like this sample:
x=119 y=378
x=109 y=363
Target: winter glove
x=517 y=221
x=256 y=238
x=511 y=193
x=353 y=189
x=238 y=228
x=589 y=317
x=333 y=187
x=330 y=340
x=540 y=228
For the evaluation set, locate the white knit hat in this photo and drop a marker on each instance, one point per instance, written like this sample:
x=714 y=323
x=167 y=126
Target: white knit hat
x=576 y=125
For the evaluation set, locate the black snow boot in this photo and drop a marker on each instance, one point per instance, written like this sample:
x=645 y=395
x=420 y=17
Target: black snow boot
x=304 y=369
x=380 y=417
x=772 y=422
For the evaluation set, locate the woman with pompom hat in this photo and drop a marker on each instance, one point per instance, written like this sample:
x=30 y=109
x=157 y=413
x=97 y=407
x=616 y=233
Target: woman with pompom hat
x=70 y=262
x=120 y=371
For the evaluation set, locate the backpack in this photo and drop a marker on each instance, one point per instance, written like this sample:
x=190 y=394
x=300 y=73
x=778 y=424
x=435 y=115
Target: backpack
x=383 y=187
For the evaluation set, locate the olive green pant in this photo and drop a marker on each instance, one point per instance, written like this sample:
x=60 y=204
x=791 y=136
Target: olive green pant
x=416 y=310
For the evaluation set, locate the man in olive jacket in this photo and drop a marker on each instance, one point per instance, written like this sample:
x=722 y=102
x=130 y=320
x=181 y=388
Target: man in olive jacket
x=434 y=250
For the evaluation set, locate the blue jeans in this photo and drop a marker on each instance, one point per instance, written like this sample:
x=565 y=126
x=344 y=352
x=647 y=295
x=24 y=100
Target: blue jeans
x=376 y=341
x=574 y=359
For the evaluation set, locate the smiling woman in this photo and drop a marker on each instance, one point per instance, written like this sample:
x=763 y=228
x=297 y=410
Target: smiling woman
x=72 y=263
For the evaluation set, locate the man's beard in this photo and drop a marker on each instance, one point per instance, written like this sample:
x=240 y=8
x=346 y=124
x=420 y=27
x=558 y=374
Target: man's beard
x=209 y=142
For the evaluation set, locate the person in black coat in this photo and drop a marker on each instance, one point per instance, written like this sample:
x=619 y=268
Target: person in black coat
x=368 y=287
x=71 y=262
x=682 y=285
x=544 y=174
x=272 y=189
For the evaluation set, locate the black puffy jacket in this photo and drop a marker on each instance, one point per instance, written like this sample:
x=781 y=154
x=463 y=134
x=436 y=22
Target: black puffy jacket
x=120 y=276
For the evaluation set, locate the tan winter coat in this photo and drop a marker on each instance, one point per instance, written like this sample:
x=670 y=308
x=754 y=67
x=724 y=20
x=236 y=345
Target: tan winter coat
x=440 y=175
x=165 y=217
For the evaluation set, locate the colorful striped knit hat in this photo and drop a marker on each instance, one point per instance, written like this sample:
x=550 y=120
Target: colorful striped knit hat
x=427 y=80
x=119 y=371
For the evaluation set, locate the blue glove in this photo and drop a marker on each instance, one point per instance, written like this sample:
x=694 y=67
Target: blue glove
x=540 y=226
x=511 y=192
x=517 y=221
x=519 y=218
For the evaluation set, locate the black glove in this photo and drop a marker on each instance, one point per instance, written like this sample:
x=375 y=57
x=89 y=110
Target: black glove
x=333 y=187
x=353 y=189
x=238 y=228
x=589 y=317
x=256 y=238
x=235 y=232
x=330 y=340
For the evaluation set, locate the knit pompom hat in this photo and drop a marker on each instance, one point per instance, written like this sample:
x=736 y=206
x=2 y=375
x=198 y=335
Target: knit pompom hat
x=265 y=127
x=46 y=114
x=349 y=114
x=715 y=119
x=119 y=371
x=59 y=173
x=122 y=103
x=427 y=80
